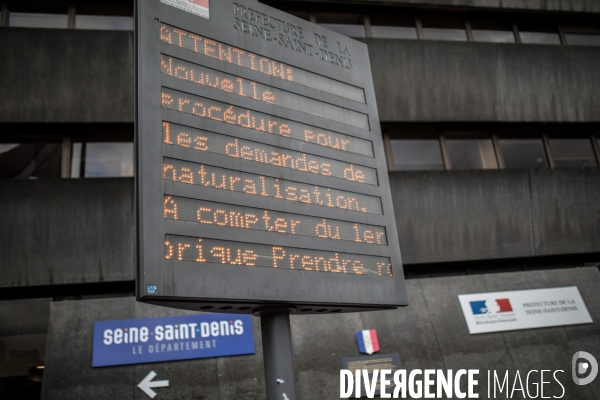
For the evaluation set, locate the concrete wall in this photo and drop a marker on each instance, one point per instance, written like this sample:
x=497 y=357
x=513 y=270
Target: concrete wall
x=470 y=215
x=59 y=231
x=430 y=81
x=590 y=6
x=441 y=217
x=60 y=75
x=430 y=333
x=87 y=76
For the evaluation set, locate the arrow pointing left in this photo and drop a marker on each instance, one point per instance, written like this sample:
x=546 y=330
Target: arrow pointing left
x=146 y=385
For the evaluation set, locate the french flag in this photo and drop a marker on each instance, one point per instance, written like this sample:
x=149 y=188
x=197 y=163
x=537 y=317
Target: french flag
x=202 y=3
x=367 y=341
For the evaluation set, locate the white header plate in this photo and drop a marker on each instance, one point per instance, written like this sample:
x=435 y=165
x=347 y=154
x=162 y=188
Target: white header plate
x=523 y=309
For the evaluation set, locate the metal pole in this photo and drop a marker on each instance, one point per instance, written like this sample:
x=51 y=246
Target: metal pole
x=278 y=354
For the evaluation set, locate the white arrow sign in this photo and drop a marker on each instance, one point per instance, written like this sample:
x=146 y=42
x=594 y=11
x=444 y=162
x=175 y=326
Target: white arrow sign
x=146 y=384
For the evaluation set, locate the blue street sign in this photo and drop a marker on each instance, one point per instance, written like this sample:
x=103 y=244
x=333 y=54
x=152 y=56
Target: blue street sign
x=137 y=341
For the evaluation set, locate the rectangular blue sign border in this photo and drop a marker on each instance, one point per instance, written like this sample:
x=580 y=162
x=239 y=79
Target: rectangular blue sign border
x=243 y=344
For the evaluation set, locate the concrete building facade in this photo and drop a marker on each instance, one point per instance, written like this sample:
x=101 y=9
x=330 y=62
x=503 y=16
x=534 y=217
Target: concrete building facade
x=490 y=115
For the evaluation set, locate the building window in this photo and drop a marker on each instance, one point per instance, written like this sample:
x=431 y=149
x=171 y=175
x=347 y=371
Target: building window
x=391 y=26
x=102 y=22
x=27 y=20
x=416 y=154
x=102 y=159
x=305 y=15
x=31 y=159
x=67 y=150
x=539 y=32
x=581 y=32
x=389 y=22
x=60 y=21
x=355 y=31
x=393 y=32
x=471 y=150
x=492 y=30
x=487 y=35
x=523 y=153
x=350 y=25
x=438 y=27
x=583 y=39
x=572 y=153
x=425 y=148
x=539 y=38
x=23 y=335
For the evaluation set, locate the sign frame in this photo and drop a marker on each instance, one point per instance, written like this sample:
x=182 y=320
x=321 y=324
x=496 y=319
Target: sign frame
x=232 y=288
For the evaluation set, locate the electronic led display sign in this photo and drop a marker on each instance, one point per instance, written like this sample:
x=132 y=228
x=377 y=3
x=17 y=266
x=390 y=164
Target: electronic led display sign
x=261 y=176
x=220 y=214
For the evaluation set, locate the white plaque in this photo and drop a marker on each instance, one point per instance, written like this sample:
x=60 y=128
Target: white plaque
x=523 y=309
x=196 y=7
